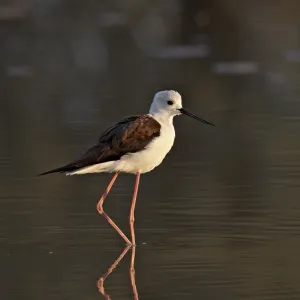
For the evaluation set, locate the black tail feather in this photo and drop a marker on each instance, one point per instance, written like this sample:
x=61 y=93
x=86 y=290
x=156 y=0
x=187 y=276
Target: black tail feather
x=67 y=168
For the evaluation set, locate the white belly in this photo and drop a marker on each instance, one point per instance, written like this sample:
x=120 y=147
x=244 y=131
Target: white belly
x=143 y=161
x=146 y=160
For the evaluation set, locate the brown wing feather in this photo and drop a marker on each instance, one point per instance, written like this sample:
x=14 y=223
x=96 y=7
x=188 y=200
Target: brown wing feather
x=130 y=135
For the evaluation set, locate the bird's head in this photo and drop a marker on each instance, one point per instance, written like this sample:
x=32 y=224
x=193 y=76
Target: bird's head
x=168 y=104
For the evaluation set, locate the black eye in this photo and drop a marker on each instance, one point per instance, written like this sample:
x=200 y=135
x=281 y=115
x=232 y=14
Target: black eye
x=170 y=102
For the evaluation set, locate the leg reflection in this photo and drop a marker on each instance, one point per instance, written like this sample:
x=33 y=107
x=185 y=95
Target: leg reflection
x=132 y=274
x=100 y=282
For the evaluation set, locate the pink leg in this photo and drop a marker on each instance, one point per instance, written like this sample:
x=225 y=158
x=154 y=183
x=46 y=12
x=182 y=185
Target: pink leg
x=132 y=275
x=102 y=212
x=131 y=217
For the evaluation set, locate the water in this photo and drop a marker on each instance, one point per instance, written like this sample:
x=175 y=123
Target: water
x=200 y=234
x=219 y=219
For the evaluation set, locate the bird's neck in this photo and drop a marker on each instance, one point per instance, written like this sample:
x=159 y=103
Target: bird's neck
x=162 y=117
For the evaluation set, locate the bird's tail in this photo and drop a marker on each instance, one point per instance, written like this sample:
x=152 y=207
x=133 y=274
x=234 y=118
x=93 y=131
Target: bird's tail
x=64 y=169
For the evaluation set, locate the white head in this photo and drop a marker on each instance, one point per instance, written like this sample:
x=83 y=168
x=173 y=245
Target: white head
x=168 y=104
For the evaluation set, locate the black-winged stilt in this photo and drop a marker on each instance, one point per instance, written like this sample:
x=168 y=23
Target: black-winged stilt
x=135 y=145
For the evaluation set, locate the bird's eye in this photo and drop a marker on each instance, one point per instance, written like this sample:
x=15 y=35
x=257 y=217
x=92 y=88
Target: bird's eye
x=170 y=102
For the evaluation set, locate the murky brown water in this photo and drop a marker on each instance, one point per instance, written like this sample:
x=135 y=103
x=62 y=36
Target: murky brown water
x=199 y=237
x=219 y=219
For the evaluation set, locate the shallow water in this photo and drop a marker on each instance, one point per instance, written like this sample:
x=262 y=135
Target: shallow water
x=198 y=237
x=219 y=219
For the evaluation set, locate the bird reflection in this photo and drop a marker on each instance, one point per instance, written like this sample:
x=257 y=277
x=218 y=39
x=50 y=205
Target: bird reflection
x=100 y=282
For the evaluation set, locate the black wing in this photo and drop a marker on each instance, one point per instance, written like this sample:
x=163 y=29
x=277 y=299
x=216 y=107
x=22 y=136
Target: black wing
x=130 y=135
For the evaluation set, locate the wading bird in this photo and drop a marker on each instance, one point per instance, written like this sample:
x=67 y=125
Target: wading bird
x=135 y=145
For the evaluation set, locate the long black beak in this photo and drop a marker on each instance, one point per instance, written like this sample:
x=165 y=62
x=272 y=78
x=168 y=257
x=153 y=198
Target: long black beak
x=185 y=112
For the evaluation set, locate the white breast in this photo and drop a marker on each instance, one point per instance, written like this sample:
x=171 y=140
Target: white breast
x=149 y=158
x=142 y=161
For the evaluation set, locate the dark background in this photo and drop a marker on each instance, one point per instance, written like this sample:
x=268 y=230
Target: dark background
x=220 y=218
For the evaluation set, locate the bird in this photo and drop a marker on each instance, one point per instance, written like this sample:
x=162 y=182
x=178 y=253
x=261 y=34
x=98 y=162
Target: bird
x=136 y=145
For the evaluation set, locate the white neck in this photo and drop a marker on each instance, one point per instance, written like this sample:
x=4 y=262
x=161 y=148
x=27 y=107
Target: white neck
x=160 y=115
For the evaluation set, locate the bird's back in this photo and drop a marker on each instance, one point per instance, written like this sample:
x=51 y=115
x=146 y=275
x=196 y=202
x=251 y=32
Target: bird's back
x=130 y=135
